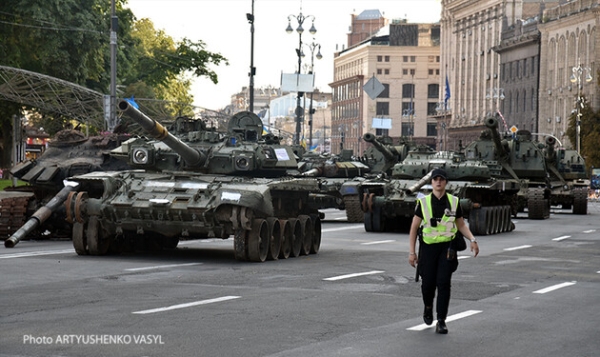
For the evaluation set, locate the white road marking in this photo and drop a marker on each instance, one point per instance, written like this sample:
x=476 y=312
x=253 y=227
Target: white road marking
x=162 y=267
x=35 y=254
x=554 y=287
x=378 y=242
x=519 y=247
x=558 y=239
x=589 y=231
x=343 y=228
x=340 y=218
x=454 y=317
x=340 y=277
x=189 y=304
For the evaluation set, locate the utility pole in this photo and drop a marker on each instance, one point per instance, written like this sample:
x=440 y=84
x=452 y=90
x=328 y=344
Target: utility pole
x=250 y=18
x=112 y=120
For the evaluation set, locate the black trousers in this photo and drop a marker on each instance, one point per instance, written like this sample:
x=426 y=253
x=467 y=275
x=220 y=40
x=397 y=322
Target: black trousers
x=436 y=273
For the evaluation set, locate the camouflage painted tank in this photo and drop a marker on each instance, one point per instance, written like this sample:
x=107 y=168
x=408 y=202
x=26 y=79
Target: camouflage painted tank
x=333 y=171
x=568 y=178
x=69 y=153
x=236 y=187
x=515 y=157
x=486 y=202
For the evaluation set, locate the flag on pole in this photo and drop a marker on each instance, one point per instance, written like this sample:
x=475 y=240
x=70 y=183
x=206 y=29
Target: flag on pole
x=447 y=95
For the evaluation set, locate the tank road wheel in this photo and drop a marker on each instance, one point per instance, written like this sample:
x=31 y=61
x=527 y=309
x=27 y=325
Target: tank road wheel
x=97 y=242
x=474 y=224
x=354 y=212
x=79 y=240
x=378 y=220
x=497 y=218
x=580 y=203
x=296 y=227
x=316 y=239
x=275 y=238
x=240 y=243
x=287 y=236
x=368 y=218
x=258 y=241
x=538 y=206
x=307 y=234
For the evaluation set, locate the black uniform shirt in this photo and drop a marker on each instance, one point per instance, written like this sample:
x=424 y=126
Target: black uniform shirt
x=438 y=206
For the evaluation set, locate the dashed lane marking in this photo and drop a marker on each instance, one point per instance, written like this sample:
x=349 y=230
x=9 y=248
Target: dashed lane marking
x=189 y=304
x=454 y=317
x=162 y=267
x=378 y=242
x=554 y=287
x=558 y=239
x=340 y=277
x=34 y=254
x=343 y=228
x=519 y=247
x=589 y=231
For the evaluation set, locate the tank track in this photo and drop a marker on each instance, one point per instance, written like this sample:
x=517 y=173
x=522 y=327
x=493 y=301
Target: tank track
x=580 y=200
x=13 y=215
x=538 y=204
x=491 y=220
x=354 y=212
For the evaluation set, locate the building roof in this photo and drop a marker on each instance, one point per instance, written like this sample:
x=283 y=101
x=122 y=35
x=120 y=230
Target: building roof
x=369 y=15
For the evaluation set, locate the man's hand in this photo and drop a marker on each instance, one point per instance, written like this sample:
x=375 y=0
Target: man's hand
x=475 y=248
x=412 y=259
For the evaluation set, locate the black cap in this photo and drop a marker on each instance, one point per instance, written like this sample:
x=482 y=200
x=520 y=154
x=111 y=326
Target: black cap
x=439 y=173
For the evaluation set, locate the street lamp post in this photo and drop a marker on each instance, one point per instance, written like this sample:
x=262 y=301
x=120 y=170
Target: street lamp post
x=576 y=78
x=300 y=18
x=312 y=47
x=250 y=18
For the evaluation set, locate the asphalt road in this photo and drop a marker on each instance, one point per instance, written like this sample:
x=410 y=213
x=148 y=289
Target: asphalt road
x=531 y=292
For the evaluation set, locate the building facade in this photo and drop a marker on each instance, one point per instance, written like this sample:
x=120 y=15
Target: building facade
x=403 y=58
x=569 y=34
x=470 y=32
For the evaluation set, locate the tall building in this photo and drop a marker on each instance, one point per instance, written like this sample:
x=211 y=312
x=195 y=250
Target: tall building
x=470 y=32
x=570 y=39
x=404 y=59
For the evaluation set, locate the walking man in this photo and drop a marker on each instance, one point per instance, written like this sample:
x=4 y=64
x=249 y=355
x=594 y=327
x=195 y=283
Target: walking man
x=441 y=218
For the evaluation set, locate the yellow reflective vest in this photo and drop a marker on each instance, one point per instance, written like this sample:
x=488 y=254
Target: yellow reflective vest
x=445 y=230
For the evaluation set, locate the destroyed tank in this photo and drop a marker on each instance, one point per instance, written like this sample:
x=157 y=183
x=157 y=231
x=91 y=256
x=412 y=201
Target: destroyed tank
x=333 y=171
x=236 y=187
x=568 y=177
x=69 y=153
x=486 y=202
x=515 y=157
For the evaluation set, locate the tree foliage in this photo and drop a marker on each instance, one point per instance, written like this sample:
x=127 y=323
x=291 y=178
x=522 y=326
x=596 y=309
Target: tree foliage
x=70 y=40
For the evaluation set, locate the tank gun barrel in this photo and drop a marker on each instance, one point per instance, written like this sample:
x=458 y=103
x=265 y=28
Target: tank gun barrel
x=191 y=156
x=420 y=183
x=40 y=216
x=492 y=124
x=313 y=172
x=550 y=143
x=387 y=153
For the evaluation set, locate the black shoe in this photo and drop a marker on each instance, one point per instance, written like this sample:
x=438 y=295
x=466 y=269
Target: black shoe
x=441 y=327
x=428 y=315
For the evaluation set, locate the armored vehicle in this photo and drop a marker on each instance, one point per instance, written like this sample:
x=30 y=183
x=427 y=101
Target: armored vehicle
x=515 y=157
x=69 y=153
x=333 y=171
x=486 y=202
x=568 y=178
x=236 y=187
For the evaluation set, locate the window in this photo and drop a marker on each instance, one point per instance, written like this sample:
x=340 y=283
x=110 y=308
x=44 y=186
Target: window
x=383 y=108
x=379 y=71
x=413 y=58
x=431 y=129
x=387 y=58
x=431 y=108
x=433 y=90
x=437 y=72
x=431 y=72
x=405 y=72
x=407 y=129
x=404 y=58
x=437 y=58
x=412 y=72
x=408 y=90
x=386 y=71
x=380 y=132
x=379 y=58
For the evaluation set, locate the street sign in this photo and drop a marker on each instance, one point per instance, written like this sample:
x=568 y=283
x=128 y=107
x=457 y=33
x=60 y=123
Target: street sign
x=513 y=129
x=373 y=87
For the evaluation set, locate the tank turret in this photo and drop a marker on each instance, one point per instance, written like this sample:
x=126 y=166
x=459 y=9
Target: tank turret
x=383 y=154
x=492 y=124
x=387 y=153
